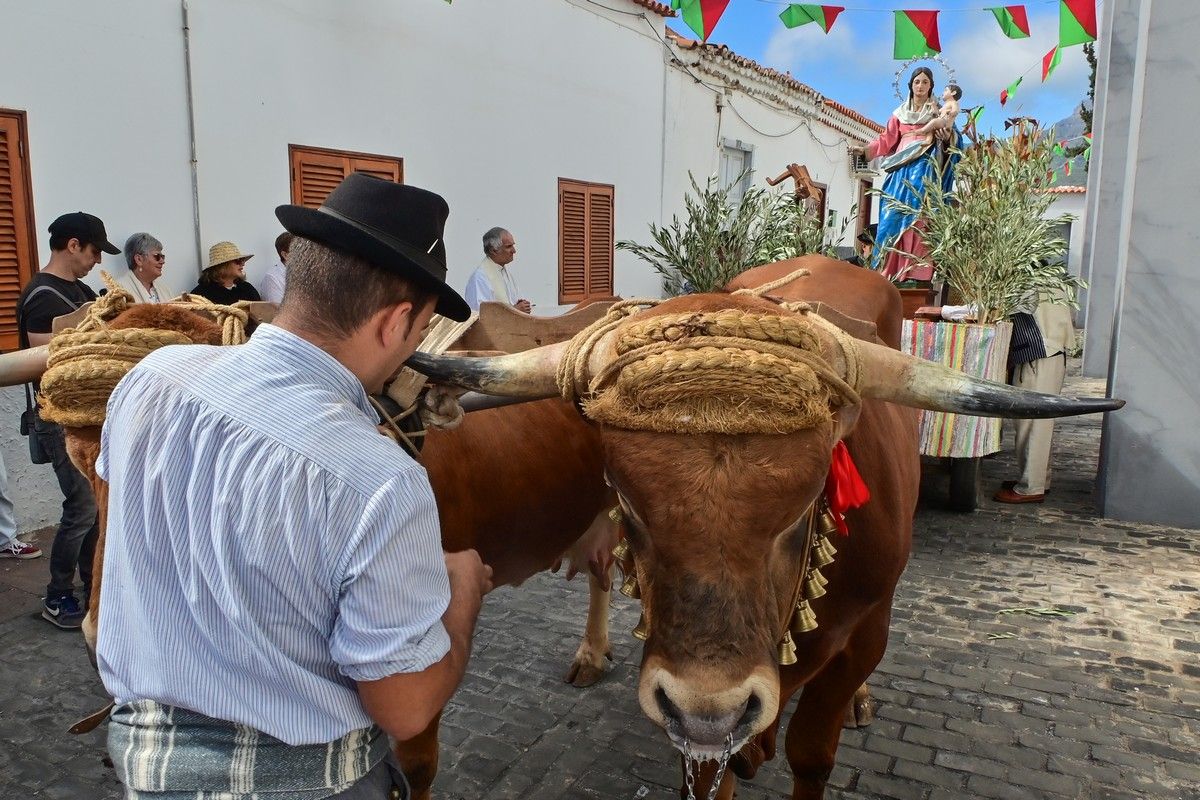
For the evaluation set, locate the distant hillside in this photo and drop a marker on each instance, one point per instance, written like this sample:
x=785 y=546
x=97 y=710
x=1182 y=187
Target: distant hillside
x=1066 y=129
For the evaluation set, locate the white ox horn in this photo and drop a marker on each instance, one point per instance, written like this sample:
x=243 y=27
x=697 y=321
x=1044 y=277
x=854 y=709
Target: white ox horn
x=528 y=375
x=888 y=374
x=23 y=366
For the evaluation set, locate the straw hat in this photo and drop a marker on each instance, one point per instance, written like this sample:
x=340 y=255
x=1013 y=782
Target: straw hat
x=224 y=252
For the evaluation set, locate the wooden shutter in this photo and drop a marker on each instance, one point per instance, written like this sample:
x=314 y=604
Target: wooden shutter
x=585 y=241
x=18 y=253
x=317 y=170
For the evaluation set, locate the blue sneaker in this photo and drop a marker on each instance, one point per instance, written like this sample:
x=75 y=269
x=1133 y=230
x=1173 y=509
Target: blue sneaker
x=64 y=612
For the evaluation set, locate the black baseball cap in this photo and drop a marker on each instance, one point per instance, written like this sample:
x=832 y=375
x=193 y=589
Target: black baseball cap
x=87 y=228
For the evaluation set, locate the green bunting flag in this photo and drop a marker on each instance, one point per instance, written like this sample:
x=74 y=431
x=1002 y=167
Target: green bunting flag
x=1008 y=92
x=1050 y=62
x=1058 y=149
x=975 y=114
x=916 y=35
x=1013 y=21
x=1076 y=22
x=798 y=14
x=701 y=15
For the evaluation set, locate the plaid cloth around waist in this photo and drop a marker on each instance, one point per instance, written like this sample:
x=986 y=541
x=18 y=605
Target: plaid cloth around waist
x=165 y=752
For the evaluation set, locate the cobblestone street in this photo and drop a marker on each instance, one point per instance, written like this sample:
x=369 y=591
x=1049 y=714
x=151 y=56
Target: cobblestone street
x=971 y=702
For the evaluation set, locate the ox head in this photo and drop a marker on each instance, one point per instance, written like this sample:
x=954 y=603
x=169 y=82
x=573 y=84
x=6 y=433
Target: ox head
x=714 y=512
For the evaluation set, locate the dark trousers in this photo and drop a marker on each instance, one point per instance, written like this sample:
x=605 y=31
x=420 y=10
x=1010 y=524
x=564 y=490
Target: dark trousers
x=385 y=782
x=75 y=542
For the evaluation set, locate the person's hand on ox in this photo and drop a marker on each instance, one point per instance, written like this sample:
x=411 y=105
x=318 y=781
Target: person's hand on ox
x=523 y=305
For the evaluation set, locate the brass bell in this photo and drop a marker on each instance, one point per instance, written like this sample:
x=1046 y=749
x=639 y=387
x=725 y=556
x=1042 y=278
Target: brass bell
x=787 y=650
x=813 y=588
x=818 y=555
x=827 y=547
x=642 y=631
x=630 y=587
x=621 y=551
x=828 y=523
x=803 y=619
x=816 y=575
x=615 y=515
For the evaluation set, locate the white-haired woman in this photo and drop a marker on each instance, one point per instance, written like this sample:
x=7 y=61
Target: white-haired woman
x=144 y=255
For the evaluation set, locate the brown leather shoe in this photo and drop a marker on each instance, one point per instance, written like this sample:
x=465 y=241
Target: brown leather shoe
x=1008 y=495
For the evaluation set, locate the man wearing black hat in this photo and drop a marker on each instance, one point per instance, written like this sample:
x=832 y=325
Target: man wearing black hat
x=866 y=243
x=276 y=597
x=76 y=243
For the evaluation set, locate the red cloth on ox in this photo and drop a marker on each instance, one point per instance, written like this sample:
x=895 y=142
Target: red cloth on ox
x=844 y=488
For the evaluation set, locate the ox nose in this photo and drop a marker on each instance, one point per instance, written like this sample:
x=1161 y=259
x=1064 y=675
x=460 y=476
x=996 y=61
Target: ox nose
x=710 y=727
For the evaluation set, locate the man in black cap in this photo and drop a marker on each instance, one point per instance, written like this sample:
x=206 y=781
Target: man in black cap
x=276 y=596
x=76 y=243
x=866 y=243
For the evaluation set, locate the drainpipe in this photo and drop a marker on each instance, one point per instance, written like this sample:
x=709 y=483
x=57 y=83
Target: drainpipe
x=191 y=115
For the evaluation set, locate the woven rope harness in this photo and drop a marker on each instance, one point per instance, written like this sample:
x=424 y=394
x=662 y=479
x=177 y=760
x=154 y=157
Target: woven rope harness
x=86 y=362
x=730 y=371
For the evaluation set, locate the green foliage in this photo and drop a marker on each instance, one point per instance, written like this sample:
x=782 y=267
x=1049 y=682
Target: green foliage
x=990 y=238
x=719 y=237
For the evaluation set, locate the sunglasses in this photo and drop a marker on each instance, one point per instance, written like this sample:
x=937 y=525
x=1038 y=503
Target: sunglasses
x=156 y=256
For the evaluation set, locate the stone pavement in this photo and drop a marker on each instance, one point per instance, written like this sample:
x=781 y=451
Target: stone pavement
x=971 y=702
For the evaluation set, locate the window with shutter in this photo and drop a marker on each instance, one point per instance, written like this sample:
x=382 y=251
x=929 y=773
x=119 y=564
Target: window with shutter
x=585 y=241
x=317 y=170
x=18 y=246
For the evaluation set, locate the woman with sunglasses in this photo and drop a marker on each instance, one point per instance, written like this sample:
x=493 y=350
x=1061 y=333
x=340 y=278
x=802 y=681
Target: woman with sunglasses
x=224 y=280
x=144 y=255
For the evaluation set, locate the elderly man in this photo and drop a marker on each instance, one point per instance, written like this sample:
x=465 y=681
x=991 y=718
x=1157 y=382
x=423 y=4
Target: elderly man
x=492 y=279
x=76 y=243
x=276 y=599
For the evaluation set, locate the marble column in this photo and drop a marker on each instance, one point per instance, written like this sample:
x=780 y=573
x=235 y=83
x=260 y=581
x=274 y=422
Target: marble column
x=1115 y=56
x=1150 y=450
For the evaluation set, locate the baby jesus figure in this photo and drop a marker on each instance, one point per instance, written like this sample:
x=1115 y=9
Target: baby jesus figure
x=945 y=118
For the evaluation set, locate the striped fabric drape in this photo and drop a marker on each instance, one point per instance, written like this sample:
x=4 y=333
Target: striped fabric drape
x=979 y=350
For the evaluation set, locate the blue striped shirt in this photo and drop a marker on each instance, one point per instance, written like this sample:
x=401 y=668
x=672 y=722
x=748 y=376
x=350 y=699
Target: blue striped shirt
x=266 y=546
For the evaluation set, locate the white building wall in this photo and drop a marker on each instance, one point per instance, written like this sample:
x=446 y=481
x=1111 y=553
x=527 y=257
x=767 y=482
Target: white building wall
x=485 y=111
x=698 y=124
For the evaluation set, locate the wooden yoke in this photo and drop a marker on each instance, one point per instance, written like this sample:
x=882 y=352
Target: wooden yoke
x=806 y=188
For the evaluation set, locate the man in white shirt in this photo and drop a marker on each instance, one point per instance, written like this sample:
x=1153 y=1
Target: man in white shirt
x=276 y=276
x=492 y=279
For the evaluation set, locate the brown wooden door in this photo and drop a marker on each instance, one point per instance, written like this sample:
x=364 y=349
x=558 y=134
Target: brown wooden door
x=18 y=249
x=317 y=170
x=585 y=241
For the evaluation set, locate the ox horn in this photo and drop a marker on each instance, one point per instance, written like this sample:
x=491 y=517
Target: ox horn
x=23 y=366
x=888 y=374
x=528 y=375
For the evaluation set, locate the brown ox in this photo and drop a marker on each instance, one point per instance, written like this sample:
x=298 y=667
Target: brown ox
x=711 y=519
x=521 y=484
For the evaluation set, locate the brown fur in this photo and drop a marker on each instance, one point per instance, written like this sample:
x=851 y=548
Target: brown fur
x=199 y=328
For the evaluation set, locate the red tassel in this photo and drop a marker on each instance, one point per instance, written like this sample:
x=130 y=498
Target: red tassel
x=844 y=488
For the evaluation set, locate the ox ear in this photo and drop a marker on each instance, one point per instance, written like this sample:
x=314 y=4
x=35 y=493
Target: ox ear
x=888 y=374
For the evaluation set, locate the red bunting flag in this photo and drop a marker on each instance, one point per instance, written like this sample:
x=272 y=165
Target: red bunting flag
x=701 y=15
x=1067 y=168
x=1013 y=21
x=1076 y=22
x=916 y=35
x=1007 y=93
x=798 y=14
x=1050 y=62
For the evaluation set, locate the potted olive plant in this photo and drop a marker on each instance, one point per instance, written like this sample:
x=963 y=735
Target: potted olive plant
x=992 y=241
x=721 y=236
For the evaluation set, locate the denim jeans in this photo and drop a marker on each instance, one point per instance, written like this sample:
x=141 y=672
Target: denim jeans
x=75 y=542
x=8 y=521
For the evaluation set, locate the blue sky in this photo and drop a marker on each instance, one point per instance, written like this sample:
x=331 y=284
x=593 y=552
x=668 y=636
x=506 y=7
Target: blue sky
x=853 y=64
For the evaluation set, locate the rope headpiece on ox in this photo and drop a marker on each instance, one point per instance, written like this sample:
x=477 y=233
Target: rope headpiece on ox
x=86 y=362
x=731 y=371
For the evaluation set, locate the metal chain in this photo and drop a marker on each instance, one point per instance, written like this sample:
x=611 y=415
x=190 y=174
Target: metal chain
x=689 y=760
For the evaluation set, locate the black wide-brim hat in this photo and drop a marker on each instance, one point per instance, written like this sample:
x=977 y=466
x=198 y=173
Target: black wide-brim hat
x=392 y=226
